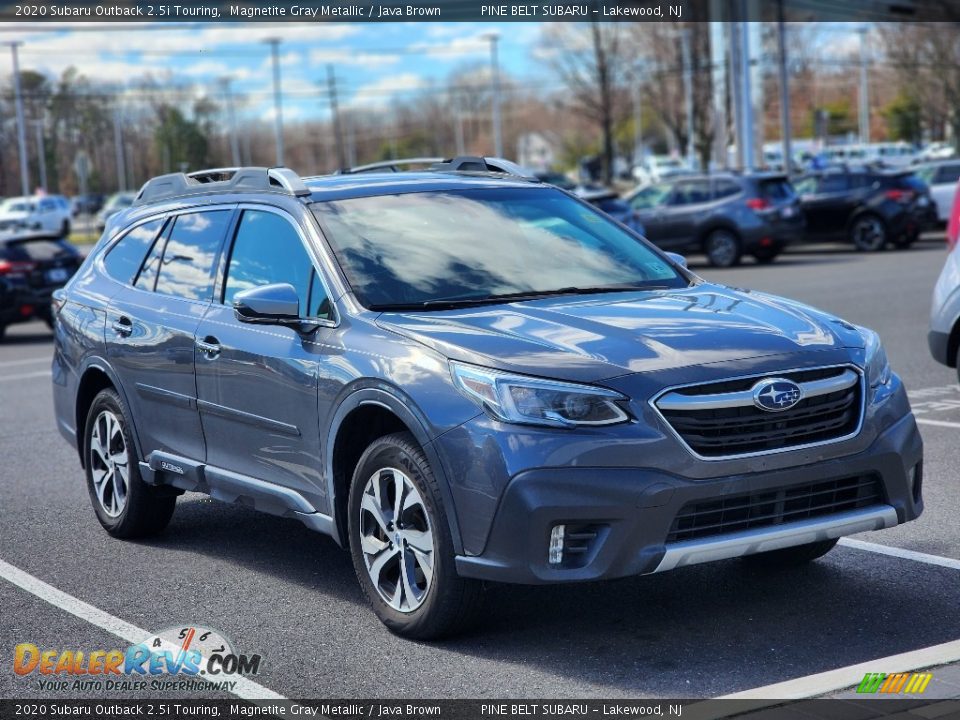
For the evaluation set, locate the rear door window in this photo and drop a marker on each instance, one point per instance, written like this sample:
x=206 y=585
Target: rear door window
x=691 y=192
x=126 y=256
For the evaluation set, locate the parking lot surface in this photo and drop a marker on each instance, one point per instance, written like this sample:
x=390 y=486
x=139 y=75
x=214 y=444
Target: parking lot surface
x=275 y=588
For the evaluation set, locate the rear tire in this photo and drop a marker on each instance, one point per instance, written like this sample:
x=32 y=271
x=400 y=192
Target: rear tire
x=65 y=229
x=723 y=248
x=3 y=331
x=125 y=505
x=405 y=560
x=791 y=556
x=868 y=233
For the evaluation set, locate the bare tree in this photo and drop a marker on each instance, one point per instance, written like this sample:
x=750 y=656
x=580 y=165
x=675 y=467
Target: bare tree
x=589 y=59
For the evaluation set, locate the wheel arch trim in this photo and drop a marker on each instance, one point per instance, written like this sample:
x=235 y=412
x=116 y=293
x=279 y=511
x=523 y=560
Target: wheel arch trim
x=397 y=402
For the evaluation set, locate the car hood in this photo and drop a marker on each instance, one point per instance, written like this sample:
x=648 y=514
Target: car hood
x=14 y=215
x=603 y=336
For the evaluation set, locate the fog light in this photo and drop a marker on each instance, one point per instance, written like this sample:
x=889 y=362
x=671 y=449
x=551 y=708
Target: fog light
x=556 y=545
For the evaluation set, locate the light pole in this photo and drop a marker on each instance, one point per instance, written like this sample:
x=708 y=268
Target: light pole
x=277 y=97
x=864 y=90
x=785 y=128
x=118 y=149
x=21 y=123
x=41 y=153
x=232 y=118
x=494 y=38
x=688 y=93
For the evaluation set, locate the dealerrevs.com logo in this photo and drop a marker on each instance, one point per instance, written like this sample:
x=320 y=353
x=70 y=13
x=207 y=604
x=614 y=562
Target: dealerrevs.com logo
x=188 y=658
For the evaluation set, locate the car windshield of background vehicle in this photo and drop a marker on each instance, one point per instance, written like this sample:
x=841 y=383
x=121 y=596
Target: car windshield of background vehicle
x=431 y=248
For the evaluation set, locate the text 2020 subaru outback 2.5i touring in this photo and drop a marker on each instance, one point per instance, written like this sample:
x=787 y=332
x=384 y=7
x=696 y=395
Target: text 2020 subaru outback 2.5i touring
x=465 y=376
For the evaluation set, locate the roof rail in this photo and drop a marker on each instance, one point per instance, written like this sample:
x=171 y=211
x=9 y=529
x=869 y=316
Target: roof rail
x=391 y=165
x=231 y=179
x=463 y=163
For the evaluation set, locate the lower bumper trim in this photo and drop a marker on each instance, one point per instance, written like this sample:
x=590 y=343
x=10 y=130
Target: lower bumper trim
x=749 y=542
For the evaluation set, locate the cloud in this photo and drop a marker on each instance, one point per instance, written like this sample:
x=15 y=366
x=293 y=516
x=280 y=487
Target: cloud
x=380 y=92
x=455 y=49
x=324 y=56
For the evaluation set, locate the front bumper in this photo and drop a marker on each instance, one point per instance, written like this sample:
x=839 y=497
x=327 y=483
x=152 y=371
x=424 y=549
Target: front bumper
x=629 y=512
x=939 y=343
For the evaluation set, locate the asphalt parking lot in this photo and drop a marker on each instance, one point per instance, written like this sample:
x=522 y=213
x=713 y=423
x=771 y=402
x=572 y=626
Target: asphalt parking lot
x=276 y=588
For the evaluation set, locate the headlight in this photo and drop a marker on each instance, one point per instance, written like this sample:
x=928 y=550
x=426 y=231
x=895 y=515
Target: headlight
x=524 y=400
x=875 y=360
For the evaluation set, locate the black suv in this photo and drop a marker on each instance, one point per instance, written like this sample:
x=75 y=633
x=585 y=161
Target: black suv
x=32 y=266
x=867 y=206
x=723 y=215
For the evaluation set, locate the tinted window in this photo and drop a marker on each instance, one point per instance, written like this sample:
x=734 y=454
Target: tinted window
x=725 y=188
x=691 y=192
x=948 y=174
x=834 y=183
x=776 y=189
x=650 y=197
x=186 y=269
x=268 y=250
x=614 y=206
x=807 y=185
x=36 y=250
x=125 y=258
x=418 y=247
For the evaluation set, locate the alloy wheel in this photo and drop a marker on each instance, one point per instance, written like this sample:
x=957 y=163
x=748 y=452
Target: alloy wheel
x=396 y=539
x=109 y=462
x=869 y=234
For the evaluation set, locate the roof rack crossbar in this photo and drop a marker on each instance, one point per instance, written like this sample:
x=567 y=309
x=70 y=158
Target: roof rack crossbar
x=231 y=179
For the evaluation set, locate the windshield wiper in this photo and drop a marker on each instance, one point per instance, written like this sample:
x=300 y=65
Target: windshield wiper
x=466 y=301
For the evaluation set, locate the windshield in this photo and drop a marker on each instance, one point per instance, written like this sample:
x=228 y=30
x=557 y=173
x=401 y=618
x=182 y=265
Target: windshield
x=18 y=206
x=435 y=247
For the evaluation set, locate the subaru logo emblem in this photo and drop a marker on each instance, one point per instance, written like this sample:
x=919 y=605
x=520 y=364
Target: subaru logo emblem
x=776 y=394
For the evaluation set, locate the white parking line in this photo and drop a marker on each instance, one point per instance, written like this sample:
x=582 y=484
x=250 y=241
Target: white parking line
x=245 y=688
x=9 y=363
x=845 y=677
x=939 y=423
x=25 y=376
x=901 y=553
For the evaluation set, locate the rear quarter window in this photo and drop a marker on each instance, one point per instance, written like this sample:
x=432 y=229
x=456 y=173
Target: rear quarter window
x=126 y=256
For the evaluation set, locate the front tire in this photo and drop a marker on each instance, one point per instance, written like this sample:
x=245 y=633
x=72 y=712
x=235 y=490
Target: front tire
x=125 y=505
x=791 y=556
x=723 y=248
x=401 y=544
x=868 y=233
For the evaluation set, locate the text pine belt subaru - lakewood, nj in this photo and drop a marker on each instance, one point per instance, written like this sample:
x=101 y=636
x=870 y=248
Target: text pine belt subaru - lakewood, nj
x=463 y=374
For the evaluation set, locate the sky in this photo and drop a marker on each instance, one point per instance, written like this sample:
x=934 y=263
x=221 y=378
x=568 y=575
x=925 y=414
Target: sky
x=374 y=62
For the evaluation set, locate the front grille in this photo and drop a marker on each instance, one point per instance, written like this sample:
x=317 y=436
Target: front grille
x=709 y=518
x=745 y=428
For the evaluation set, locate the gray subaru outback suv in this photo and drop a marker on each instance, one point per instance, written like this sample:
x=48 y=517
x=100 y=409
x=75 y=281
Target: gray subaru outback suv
x=465 y=376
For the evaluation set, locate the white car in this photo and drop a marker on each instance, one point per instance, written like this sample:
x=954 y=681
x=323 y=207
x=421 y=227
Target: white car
x=38 y=212
x=659 y=167
x=941 y=177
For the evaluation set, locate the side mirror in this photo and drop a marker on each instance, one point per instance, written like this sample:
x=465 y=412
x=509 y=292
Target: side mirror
x=678 y=259
x=276 y=304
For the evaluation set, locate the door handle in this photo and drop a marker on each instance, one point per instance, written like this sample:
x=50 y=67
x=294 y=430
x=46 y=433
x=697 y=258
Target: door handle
x=210 y=346
x=122 y=326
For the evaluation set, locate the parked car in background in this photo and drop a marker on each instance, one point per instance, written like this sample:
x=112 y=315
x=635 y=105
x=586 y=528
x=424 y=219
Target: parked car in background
x=723 y=215
x=867 y=206
x=941 y=178
x=613 y=205
x=555 y=178
x=89 y=204
x=49 y=213
x=114 y=204
x=944 y=335
x=936 y=151
x=32 y=265
x=660 y=167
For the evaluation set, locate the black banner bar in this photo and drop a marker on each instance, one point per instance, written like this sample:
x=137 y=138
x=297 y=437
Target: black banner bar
x=191 y=11
x=864 y=709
